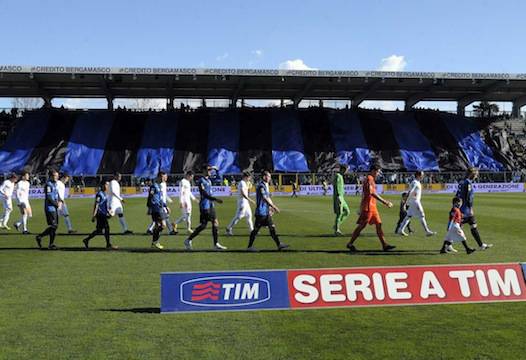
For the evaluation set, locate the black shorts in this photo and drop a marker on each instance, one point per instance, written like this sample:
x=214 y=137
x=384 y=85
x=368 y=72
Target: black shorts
x=264 y=220
x=52 y=218
x=102 y=222
x=207 y=215
x=156 y=217
x=469 y=220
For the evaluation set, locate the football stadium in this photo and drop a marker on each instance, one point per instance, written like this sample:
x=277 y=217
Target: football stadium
x=261 y=214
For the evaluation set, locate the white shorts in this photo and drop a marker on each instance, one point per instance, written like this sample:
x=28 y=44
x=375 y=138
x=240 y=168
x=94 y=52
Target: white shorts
x=164 y=214
x=455 y=234
x=243 y=210
x=63 y=210
x=116 y=207
x=8 y=204
x=186 y=208
x=24 y=205
x=415 y=210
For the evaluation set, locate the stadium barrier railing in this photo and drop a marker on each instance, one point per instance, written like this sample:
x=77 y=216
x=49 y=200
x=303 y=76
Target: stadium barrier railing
x=306 y=184
x=280 y=179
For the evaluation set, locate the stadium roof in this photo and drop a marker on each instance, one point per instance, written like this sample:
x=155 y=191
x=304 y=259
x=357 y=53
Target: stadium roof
x=131 y=82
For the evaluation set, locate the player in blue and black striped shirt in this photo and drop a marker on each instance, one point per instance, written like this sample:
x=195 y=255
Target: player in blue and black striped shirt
x=467 y=194
x=51 y=204
x=101 y=214
x=207 y=210
x=264 y=210
x=156 y=205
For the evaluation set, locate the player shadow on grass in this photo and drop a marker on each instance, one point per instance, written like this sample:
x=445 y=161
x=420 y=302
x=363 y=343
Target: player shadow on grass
x=167 y=236
x=243 y=251
x=295 y=251
x=33 y=234
x=330 y=236
x=145 y=310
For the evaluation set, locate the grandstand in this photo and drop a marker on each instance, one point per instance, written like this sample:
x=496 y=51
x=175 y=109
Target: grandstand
x=510 y=135
x=7 y=120
x=107 y=302
x=290 y=139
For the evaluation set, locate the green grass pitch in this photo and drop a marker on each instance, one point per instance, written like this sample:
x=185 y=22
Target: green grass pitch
x=96 y=304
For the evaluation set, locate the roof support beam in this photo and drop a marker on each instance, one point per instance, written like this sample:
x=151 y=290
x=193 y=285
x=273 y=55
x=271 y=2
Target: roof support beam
x=170 y=90
x=466 y=100
x=410 y=102
x=415 y=98
x=105 y=87
x=41 y=91
x=47 y=102
x=301 y=94
x=482 y=95
x=237 y=91
x=296 y=87
x=518 y=103
x=461 y=109
x=358 y=99
x=107 y=91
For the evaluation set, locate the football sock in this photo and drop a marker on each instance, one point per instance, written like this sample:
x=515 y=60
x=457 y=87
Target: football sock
x=24 y=221
x=234 y=221
x=107 y=236
x=249 y=223
x=424 y=224
x=67 y=220
x=253 y=236
x=7 y=213
x=52 y=234
x=215 y=234
x=273 y=234
x=123 y=223
x=150 y=228
x=196 y=232
x=476 y=235
x=405 y=222
x=156 y=233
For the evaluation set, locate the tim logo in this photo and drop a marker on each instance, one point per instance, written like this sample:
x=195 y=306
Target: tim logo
x=225 y=291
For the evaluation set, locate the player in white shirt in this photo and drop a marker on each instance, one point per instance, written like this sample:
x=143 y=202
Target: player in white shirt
x=116 y=201
x=166 y=210
x=6 y=193
x=185 y=202
x=415 y=209
x=63 y=209
x=243 y=205
x=22 y=199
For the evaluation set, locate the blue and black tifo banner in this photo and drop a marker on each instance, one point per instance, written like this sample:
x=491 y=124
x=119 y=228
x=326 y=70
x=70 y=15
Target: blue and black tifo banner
x=342 y=287
x=235 y=140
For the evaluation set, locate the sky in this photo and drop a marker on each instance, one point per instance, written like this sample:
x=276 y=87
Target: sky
x=409 y=35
